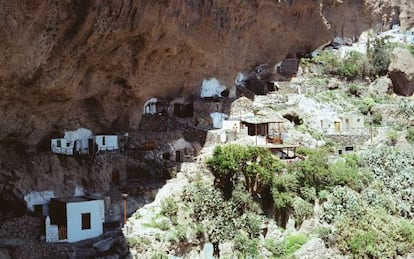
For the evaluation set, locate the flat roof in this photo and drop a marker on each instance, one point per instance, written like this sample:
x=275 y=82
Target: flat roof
x=260 y=120
x=75 y=199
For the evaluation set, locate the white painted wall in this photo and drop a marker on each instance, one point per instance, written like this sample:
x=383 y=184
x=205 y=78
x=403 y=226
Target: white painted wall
x=217 y=118
x=111 y=142
x=52 y=231
x=82 y=135
x=240 y=78
x=39 y=198
x=65 y=148
x=74 y=216
x=211 y=87
x=232 y=125
x=150 y=107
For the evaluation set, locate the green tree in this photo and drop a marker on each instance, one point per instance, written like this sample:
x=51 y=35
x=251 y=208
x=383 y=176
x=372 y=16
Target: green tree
x=379 y=55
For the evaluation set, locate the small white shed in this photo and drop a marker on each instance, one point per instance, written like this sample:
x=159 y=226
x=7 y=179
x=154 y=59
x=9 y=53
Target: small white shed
x=74 y=219
x=107 y=142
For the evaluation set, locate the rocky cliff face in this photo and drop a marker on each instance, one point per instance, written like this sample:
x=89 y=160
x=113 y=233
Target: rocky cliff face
x=71 y=64
x=83 y=63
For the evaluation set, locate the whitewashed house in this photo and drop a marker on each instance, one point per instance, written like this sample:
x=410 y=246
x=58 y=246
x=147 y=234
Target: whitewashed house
x=74 y=219
x=83 y=142
x=150 y=107
x=106 y=142
x=79 y=141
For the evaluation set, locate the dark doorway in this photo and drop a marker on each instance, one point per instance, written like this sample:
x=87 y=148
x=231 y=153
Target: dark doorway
x=115 y=177
x=91 y=148
x=75 y=148
x=183 y=110
x=293 y=117
x=177 y=156
x=38 y=209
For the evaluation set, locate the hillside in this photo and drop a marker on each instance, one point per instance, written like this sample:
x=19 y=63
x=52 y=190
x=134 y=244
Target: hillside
x=167 y=78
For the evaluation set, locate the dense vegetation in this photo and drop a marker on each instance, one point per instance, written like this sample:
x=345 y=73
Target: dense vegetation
x=356 y=200
x=355 y=64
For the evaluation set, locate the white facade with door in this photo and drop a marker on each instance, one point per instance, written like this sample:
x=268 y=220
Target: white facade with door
x=76 y=141
x=107 y=142
x=84 y=220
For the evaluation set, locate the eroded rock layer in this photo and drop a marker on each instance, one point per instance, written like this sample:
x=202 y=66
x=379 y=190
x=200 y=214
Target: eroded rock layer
x=93 y=64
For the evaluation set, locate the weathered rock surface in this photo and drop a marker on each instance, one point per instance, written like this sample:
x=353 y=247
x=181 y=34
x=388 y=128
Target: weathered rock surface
x=380 y=86
x=315 y=248
x=71 y=64
x=401 y=71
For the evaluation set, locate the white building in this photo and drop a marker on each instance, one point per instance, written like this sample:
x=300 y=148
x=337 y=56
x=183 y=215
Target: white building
x=79 y=141
x=231 y=125
x=211 y=88
x=74 y=219
x=82 y=142
x=150 y=107
x=106 y=142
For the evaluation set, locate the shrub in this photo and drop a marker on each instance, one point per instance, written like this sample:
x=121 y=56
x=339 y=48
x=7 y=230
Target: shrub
x=366 y=104
x=302 y=210
x=410 y=48
x=351 y=66
x=392 y=136
x=323 y=233
x=406 y=109
x=342 y=202
x=329 y=60
x=379 y=55
x=278 y=249
x=410 y=135
x=347 y=173
x=286 y=247
x=393 y=169
x=140 y=244
x=377 y=118
x=255 y=165
x=375 y=234
x=169 y=207
x=354 y=90
x=179 y=234
x=245 y=246
x=294 y=242
x=308 y=193
x=221 y=219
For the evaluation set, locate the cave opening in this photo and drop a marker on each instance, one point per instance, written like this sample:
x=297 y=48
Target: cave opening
x=293 y=117
x=184 y=110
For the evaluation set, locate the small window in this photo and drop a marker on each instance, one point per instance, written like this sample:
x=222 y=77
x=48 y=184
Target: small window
x=166 y=156
x=59 y=143
x=38 y=209
x=67 y=144
x=103 y=141
x=340 y=152
x=86 y=221
x=349 y=148
x=358 y=120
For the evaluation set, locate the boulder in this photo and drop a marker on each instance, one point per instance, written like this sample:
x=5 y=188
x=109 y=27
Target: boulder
x=104 y=244
x=401 y=71
x=315 y=248
x=381 y=86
